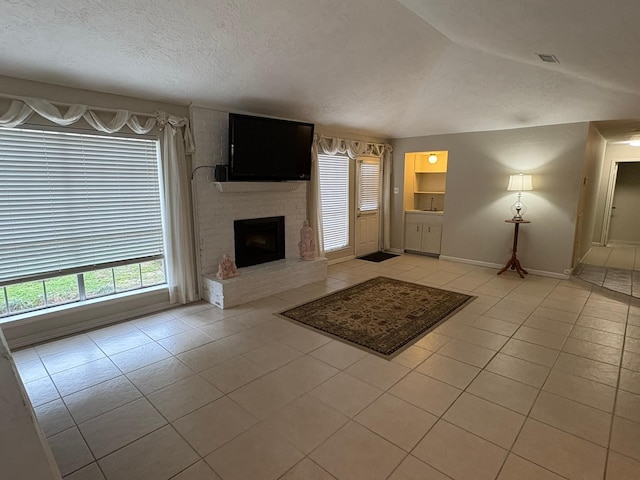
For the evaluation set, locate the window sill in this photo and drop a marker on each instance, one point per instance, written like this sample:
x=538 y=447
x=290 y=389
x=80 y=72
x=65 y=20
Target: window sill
x=36 y=315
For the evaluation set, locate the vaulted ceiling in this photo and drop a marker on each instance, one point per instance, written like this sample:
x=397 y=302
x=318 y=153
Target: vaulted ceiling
x=382 y=67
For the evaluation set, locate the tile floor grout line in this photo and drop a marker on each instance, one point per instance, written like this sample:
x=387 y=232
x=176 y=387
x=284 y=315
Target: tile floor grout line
x=462 y=391
x=465 y=391
x=450 y=339
x=540 y=390
x=617 y=391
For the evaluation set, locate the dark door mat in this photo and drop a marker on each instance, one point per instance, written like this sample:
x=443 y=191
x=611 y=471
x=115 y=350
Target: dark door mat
x=378 y=257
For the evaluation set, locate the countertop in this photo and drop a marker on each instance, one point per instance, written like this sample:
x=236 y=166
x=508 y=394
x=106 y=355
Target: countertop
x=426 y=212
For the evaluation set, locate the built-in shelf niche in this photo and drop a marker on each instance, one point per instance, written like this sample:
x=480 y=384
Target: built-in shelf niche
x=430 y=183
x=425 y=181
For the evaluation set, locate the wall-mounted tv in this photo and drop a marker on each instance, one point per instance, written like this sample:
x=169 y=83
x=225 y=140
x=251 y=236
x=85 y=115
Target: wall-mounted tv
x=267 y=149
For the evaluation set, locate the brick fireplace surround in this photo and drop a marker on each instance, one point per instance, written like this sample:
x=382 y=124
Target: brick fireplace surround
x=216 y=211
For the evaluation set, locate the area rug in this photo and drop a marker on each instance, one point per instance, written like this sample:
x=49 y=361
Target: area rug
x=381 y=315
x=378 y=257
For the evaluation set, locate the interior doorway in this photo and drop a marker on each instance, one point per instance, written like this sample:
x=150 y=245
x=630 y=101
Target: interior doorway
x=621 y=225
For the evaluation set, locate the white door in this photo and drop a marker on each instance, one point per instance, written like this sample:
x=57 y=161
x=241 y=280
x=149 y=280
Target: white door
x=368 y=179
x=624 y=226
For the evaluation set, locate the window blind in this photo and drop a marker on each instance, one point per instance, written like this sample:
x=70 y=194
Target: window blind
x=369 y=186
x=75 y=201
x=334 y=192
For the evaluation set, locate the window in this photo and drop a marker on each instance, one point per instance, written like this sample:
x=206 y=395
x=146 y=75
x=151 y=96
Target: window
x=369 y=185
x=80 y=217
x=334 y=193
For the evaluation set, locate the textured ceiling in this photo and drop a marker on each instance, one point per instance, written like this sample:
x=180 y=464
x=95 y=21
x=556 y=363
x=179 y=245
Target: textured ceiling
x=382 y=67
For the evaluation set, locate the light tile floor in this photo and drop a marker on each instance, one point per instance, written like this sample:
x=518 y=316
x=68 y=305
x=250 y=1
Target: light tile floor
x=626 y=257
x=615 y=267
x=536 y=379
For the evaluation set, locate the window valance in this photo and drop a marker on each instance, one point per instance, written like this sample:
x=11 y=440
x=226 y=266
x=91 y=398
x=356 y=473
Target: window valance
x=353 y=148
x=20 y=111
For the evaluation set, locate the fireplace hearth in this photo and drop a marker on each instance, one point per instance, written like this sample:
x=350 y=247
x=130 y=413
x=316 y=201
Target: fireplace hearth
x=259 y=240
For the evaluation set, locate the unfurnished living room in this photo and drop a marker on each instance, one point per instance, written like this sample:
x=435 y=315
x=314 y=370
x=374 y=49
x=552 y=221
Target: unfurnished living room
x=314 y=240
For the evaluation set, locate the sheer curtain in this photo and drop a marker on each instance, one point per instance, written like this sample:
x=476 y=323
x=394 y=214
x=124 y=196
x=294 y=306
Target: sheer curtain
x=176 y=141
x=353 y=149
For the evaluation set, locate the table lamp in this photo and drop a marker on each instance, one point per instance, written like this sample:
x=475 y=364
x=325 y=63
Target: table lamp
x=519 y=183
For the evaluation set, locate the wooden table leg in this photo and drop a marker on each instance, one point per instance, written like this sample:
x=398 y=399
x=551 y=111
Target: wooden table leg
x=513 y=262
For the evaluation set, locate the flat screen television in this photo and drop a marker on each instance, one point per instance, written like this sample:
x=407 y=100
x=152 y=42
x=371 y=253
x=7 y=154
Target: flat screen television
x=267 y=149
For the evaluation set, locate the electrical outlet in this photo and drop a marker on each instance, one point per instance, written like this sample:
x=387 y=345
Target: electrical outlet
x=567 y=271
x=396 y=190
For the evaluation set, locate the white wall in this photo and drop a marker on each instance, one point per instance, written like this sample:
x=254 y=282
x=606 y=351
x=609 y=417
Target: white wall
x=24 y=451
x=57 y=93
x=586 y=217
x=477 y=201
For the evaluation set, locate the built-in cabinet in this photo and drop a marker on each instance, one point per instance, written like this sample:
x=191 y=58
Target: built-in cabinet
x=425 y=181
x=423 y=232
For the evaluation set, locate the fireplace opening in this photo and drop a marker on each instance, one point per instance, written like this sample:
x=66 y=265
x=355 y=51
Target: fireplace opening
x=259 y=240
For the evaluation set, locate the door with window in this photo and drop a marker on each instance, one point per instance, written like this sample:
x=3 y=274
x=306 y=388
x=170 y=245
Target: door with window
x=367 y=224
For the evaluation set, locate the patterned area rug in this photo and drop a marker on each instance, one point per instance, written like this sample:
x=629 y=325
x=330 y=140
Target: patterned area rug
x=381 y=315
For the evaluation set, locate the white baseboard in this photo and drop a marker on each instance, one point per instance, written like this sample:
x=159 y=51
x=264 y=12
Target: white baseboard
x=342 y=259
x=395 y=250
x=498 y=266
x=580 y=260
x=614 y=244
x=469 y=261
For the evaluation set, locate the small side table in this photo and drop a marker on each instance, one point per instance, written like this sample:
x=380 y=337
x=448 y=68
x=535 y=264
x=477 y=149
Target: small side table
x=513 y=262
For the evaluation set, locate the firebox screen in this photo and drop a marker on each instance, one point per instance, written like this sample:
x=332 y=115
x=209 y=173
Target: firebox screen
x=259 y=240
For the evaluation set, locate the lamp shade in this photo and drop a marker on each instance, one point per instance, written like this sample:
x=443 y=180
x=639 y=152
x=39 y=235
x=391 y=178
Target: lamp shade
x=519 y=183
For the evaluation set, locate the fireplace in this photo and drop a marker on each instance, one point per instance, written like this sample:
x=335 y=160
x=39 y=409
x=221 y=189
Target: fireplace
x=259 y=240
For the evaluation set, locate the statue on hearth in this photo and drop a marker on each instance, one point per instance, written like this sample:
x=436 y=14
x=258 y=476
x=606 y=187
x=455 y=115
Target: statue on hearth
x=226 y=268
x=307 y=245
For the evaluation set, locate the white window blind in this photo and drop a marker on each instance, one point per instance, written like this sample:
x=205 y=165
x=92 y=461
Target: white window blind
x=72 y=202
x=369 y=185
x=334 y=191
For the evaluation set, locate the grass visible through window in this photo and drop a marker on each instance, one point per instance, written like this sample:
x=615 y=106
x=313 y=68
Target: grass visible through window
x=62 y=289
x=27 y=296
x=98 y=283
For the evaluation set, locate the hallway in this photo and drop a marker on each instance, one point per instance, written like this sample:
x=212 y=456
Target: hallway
x=616 y=267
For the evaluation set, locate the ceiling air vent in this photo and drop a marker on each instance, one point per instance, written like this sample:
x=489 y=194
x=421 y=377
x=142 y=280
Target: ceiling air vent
x=547 y=57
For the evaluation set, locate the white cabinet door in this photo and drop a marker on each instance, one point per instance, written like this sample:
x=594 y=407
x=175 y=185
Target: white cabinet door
x=431 y=237
x=413 y=236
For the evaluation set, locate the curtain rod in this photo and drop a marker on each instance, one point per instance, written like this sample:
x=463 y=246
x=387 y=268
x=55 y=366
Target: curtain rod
x=353 y=140
x=95 y=109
